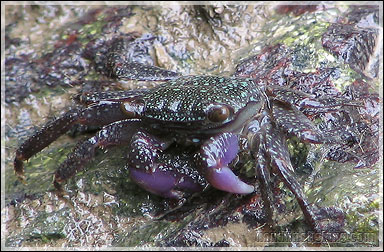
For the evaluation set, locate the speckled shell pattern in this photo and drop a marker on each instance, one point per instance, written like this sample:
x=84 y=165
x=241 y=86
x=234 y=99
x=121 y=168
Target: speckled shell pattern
x=187 y=99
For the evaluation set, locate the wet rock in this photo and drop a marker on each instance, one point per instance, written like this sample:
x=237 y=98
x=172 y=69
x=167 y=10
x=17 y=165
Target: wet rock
x=353 y=45
x=298 y=10
x=354 y=39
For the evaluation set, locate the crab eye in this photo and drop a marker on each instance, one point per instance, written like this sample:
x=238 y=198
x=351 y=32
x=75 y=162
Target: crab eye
x=218 y=113
x=132 y=109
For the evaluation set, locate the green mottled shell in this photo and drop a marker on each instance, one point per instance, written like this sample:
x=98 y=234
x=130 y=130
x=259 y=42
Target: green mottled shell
x=186 y=99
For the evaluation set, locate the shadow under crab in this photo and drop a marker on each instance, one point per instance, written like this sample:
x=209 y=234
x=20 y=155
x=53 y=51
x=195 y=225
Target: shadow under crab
x=211 y=118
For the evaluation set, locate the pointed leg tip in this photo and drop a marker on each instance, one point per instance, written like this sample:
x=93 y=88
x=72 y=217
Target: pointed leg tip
x=60 y=192
x=19 y=170
x=18 y=166
x=21 y=178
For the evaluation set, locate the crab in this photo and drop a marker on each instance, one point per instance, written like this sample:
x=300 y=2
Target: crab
x=213 y=117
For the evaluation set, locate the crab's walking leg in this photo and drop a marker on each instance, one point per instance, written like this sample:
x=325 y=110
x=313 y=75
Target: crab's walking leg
x=258 y=149
x=117 y=133
x=120 y=66
x=304 y=100
x=137 y=71
x=113 y=96
x=293 y=121
x=264 y=178
x=279 y=158
x=213 y=159
x=98 y=114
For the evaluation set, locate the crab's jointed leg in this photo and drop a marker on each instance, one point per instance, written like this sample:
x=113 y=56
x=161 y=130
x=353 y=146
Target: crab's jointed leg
x=293 y=121
x=257 y=143
x=114 y=134
x=121 y=67
x=98 y=114
x=280 y=161
x=264 y=177
x=303 y=100
x=138 y=71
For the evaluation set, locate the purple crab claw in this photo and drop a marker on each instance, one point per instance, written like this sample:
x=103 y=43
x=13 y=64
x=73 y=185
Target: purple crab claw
x=167 y=173
x=213 y=160
x=167 y=184
x=224 y=179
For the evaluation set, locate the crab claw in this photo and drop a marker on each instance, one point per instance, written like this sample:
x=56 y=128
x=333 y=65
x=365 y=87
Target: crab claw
x=168 y=173
x=168 y=184
x=224 y=179
x=213 y=160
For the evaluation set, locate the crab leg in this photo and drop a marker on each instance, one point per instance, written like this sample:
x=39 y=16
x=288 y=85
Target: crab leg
x=258 y=135
x=304 y=100
x=213 y=159
x=120 y=66
x=97 y=114
x=293 y=121
x=264 y=177
x=137 y=71
x=114 y=96
x=117 y=133
x=279 y=158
